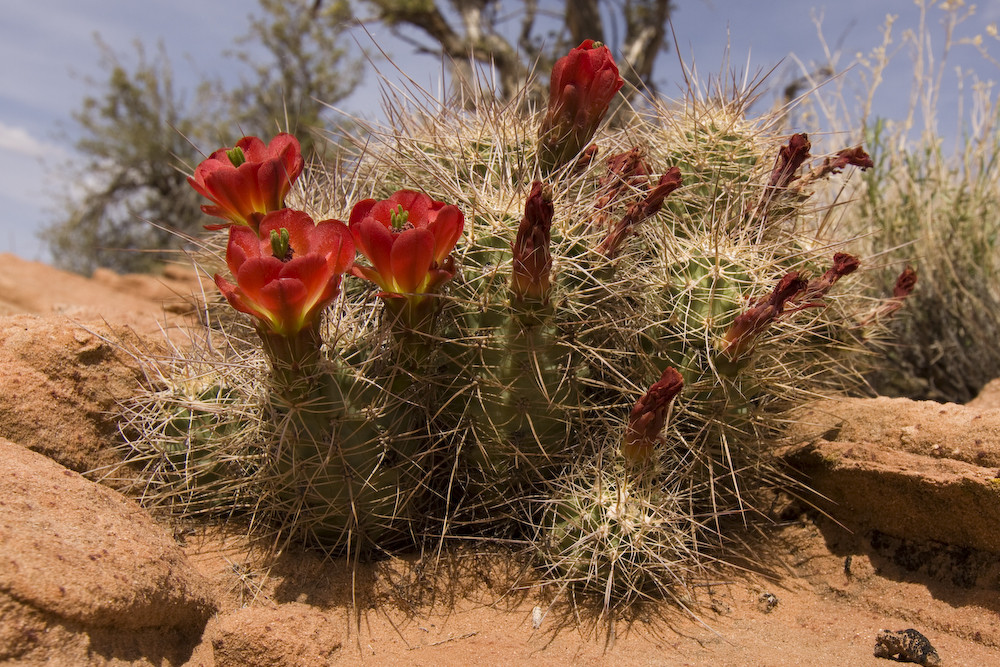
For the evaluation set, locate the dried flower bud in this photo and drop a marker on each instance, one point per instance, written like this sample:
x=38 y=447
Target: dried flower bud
x=790 y=158
x=749 y=326
x=856 y=157
x=649 y=206
x=649 y=416
x=905 y=283
x=669 y=182
x=843 y=265
x=532 y=256
x=585 y=159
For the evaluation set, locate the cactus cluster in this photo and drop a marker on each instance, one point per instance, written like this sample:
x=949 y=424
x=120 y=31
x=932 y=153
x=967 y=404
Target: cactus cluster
x=586 y=347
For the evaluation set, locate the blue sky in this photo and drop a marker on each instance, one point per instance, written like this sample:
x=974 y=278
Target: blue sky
x=48 y=50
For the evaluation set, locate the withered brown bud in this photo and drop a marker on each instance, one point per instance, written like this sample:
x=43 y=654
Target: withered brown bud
x=532 y=264
x=649 y=416
x=649 y=206
x=790 y=158
x=669 y=182
x=856 y=157
x=905 y=283
x=748 y=327
x=843 y=265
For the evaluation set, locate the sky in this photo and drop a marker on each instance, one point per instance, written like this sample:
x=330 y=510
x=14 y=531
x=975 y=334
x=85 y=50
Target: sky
x=51 y=60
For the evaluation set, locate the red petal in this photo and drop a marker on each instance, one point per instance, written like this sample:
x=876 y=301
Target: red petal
x=286 y=147
x=360 y=211
x=366 y=273
x=447 y=229
x=313 y=272
x=381 y=212
x=255 y=274
x=228 y=290
x=230 y=190
x=334 y=241
x=300 y=230
x=375 y=242
x=270 y=184
x=417 y=204
x=253 y=149
x=284 y=296
x=242 y=245
x=412 y=254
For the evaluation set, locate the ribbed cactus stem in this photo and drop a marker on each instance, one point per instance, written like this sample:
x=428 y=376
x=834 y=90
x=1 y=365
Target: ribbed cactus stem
x=330 y=470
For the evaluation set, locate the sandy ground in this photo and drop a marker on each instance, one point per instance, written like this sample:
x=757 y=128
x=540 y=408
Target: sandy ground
x=914 y=539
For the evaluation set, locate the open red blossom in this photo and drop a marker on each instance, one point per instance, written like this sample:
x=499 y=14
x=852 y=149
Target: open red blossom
x=649 y=416
x=288 y=271
x=408 y=239
x=748 y=326
x=249 y=180
x=582 y=86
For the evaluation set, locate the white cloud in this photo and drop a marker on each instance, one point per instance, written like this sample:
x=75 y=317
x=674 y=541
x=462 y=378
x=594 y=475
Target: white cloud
x=18 y=140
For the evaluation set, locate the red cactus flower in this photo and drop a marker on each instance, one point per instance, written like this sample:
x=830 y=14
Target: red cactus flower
x=288 y=271
x=582 y=86
x=408 y=239
x=532 y=255
x=649 y=415
x=250 y=180
x=748 y=327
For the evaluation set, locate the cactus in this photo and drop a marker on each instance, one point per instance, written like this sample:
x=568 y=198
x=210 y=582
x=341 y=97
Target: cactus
x=588 y=348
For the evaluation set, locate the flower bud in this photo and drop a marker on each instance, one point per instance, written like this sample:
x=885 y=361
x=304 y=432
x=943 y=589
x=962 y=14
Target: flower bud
x=582 y=86
x=530 y=280
x=748 y=327
x=649 y=416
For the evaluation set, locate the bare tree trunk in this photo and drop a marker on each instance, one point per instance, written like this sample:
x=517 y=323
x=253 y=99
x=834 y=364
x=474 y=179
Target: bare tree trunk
x=477 y=41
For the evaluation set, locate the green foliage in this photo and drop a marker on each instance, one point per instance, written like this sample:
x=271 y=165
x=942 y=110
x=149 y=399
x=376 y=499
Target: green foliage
x=133 y=134
x=950 y=209
x=309 y=69
x=933 y=198
x=140 y=136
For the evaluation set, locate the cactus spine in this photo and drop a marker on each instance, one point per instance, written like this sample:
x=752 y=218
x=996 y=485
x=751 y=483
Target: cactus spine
x=597 y=366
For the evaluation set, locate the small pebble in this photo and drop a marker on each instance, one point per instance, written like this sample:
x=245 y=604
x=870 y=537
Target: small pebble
x=906 y=646
x=536 y=617
x=767 y=602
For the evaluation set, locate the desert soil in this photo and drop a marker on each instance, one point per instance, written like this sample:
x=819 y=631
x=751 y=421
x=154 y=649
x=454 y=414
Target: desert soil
x=906 y=535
